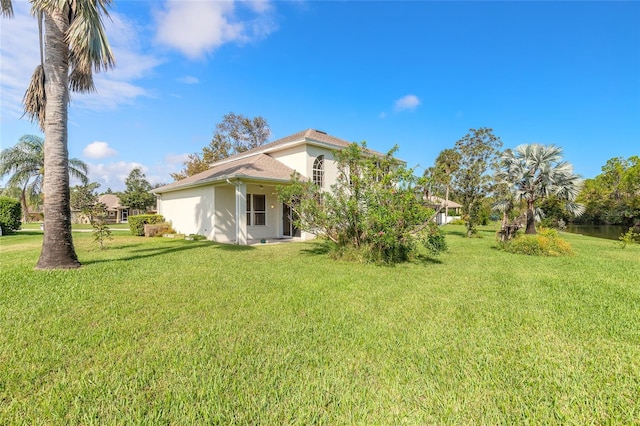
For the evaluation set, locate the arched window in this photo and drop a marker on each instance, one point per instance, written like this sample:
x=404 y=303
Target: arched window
x=318 y=171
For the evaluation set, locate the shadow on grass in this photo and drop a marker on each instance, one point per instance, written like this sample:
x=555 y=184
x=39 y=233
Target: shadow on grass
x=319 y=248
x=148 y=252
x=456 y=233
x=23 y=232
x=427 y=260
x=231 y=247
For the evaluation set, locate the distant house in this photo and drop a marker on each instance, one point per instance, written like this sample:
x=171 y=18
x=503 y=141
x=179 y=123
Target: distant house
x=235 y=201
x=439 y=204
x=116 y=212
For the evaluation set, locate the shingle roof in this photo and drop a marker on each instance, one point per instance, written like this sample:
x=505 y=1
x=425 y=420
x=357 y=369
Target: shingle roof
x=259 y=166
x=305 y=135
x=255 y=163
x=112 y=201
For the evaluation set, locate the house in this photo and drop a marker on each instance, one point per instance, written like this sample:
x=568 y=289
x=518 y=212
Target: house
x=439 y=204
x=235 y=201
x=116 y=212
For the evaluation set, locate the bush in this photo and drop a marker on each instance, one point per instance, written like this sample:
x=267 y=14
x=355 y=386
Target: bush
x=10 y=212
x=374 y=212
x=137 y=222
x=546 y=242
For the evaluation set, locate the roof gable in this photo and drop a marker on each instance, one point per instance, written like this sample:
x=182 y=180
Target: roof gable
x=257 y=164
x=306 y=136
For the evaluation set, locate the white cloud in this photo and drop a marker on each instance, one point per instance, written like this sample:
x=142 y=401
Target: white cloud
x=196 y=28
x=189 y=79
x=176 y=159
x=99 y=150
x=406 y=103
x=112 y=175
x=19 y=55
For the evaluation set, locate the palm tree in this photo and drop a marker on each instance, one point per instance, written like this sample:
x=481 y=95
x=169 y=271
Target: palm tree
x=25 y=163
x=534 y=172
x=75 y=44
x=446 y=164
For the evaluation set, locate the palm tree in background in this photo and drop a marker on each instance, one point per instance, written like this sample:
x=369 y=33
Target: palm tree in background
x=446 y=164
x=73 y=45
x=25 y=163
x=534 y=172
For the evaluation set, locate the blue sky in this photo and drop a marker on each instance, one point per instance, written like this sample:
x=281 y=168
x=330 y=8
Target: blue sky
x=417 y=74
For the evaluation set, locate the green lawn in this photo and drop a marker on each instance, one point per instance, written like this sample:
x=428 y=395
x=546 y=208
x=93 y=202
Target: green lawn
x=76 y=226
x=182 y=332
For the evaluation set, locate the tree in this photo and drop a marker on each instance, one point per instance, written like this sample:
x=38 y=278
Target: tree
x=446 y=164
x=9 y=215
x=84 y=198
x=101 y=231
x=25 y=163
x=613 y=197
x=374 y=210
x=234 y=134
x=535 y=172
x=478 y=151
x=137 y=195
x=75 y=45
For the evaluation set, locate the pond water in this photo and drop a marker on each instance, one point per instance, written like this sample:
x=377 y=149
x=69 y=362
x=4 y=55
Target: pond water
x=611 y=232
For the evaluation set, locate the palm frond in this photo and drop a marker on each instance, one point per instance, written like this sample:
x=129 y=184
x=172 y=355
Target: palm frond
x=81 y=80
x=79 y=169
x=86 y=36
x=35 y=98
x=575 y=209
x=6 y=8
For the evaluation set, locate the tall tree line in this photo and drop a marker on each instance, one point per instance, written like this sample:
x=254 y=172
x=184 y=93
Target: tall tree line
x=613 y=197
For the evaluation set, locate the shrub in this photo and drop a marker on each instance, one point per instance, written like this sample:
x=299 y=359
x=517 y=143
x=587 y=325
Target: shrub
x=374 y=212
x=630 y=237
x=136 y=223
x=10 y=212
x=158 y=229
x=546 y=242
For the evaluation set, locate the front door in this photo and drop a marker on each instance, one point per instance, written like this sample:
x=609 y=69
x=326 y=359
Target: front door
x=125 y=216
x=288 y=227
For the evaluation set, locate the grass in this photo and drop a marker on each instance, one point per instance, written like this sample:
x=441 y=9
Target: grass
x=182 y=332
x=76 y=226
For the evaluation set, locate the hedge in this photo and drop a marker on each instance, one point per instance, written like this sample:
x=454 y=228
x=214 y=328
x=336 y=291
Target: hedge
x=10 y=212
x=137 y=222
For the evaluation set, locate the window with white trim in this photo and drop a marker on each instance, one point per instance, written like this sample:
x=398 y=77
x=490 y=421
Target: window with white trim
x=256 y=210
x=318 y=171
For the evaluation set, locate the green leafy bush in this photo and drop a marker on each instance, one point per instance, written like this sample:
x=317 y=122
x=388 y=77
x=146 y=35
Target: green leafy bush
x=630 y=237
x=10 y=212
x=137 y=222
x=374 y=212
x=546 y=242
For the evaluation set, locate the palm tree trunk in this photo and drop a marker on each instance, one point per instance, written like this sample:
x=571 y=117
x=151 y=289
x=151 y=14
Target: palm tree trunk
x=57 y=247
x=25 y=207
x=446 y=205
x=531 y=221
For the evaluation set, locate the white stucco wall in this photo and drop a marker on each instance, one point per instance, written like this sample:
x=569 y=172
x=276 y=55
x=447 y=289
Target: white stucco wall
x=295 y=158
x=330 y=169
x=273 y=227
x=224 y=217
x=190 y=211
